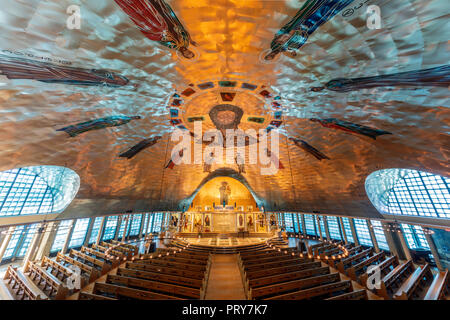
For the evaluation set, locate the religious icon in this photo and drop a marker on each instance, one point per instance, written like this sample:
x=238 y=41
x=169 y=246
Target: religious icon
x=207 y=221
x=240 y=161
x=308 y=148
x=209 y=159
x=350 y=127
x=225 y=192
x=432 y=77
x=249 y=221
x=241 y=221
x=20 y=68
x=295 y=33
x=113 y=121
x=273 y=221
x=130 y=153
x=157 y=21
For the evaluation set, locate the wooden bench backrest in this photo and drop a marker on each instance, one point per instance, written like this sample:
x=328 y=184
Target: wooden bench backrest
x=439 y=287
x=282 y=269
x=129 y=292
x=316 y=291
x=29 y=289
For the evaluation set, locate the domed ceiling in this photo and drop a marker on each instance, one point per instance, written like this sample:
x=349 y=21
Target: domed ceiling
x=323 y=168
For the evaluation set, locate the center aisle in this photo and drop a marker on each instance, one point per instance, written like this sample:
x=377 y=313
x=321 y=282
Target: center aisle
x=225 y=282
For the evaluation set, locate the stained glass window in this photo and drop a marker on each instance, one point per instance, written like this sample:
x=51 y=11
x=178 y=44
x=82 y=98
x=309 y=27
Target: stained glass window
x=379 y=235
x=409 y=192
x=79 y=233
x=110 y=228
x=61 y=235
x=95 y=230
x=288 y=222
x=135 y=225
x=333 y=228
x=348 y=230
x=414 y=237
x=309 y=224
x=13 y=242
x=37 y=190
x=362 y=231
x=157 y=221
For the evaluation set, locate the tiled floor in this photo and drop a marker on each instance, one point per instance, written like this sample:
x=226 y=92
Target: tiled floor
x=225 y=282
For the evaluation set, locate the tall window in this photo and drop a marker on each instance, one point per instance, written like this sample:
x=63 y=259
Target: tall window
x=13 y=242
x=379 y=235
x=135 y=225
x=333 y=228
x=79 y=233
x=415 y=237
x=95 y=230
x=322 y=227
x=362 y=231
x=125 y=223
x=288 y=222
x=309 y=224
x=110 y=228
x=157 y=222
x=37 y=190
x=409 y=192
x=294 y=219
x=151 y=221
x=28 y=236
x=144 y=228
x=61 y=235
x=348 y=230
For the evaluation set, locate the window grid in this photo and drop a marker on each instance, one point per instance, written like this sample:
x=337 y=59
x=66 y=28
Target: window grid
x=157 y=222
x=13 y=242
x=30 y=232
x=135 y=225
x=295 y=221
x=144 y=228
x=110 y=228
x=23 y=192
x=123 y=224
x=322 y=227
x=288 y=222
x=310 y=225
x=421 y=194
x=348 y=230
x=79 y=233
x=95 y=230
x=362 y=232
x=61 y=235
x=333 y=228
x=379 y=235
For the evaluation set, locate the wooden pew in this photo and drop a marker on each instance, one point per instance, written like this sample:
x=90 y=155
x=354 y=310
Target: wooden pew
x=133 y=249
x=126 y=252
x=155 y=286
x=91 y=272
x=325 y=290
x=188 y=282
x=21 y=285
x=385 y=267
x=295 y=285
x=276 y=263
x=355 y=271
x=282 y=269
x=90 y=296
x=283 y=277
x=393 y=278
x=100 y=256
x=351 y=252
x=347 y=262
x=112 y=252
x=439 y=287
x=355 y=295
x=421 y=276
x=102 y=266
x=56 y=269
x=120 y=291
x=55 y=287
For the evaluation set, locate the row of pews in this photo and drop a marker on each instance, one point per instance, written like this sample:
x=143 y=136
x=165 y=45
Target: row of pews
x=167 y=274
x=398 y=281
x=55 y=279
x=289 y=274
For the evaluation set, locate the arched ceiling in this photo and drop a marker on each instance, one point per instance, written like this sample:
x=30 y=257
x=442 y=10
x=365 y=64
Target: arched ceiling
x=230 y=36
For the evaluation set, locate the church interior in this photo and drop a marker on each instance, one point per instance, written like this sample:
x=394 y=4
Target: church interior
x=224 y=150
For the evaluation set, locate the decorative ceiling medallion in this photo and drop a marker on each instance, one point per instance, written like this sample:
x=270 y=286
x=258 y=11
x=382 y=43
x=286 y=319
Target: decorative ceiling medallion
x=267 y=108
